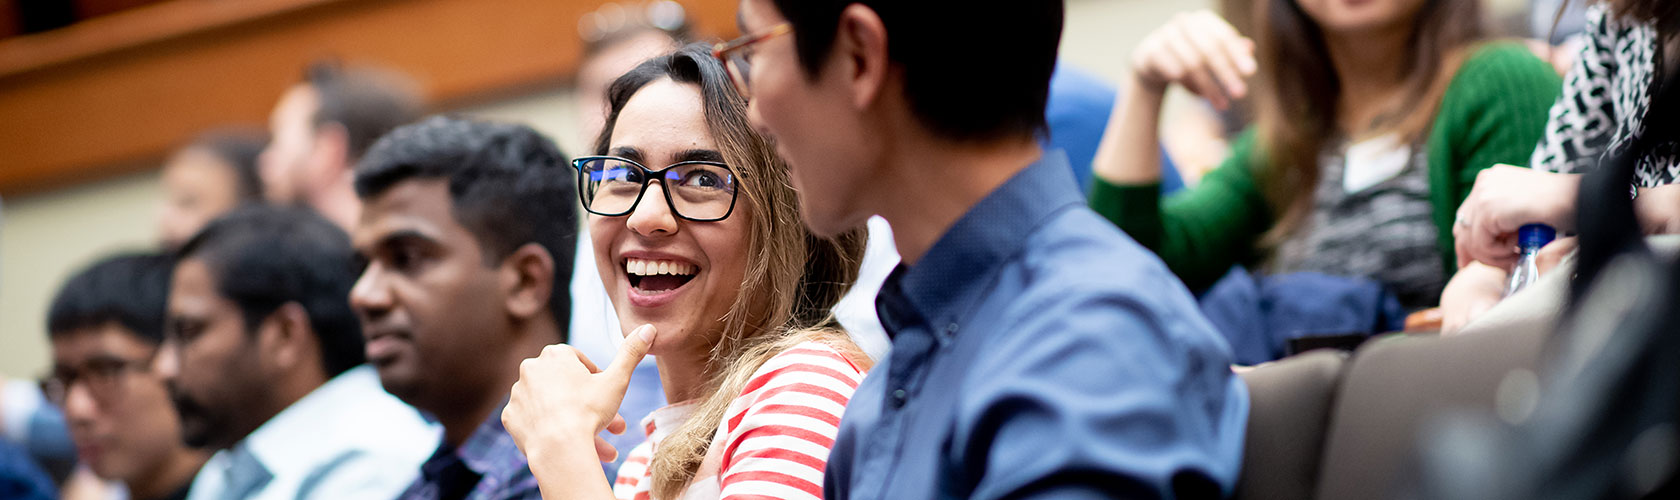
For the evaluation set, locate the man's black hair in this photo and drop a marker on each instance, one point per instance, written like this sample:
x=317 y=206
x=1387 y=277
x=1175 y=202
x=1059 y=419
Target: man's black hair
x=263 y=256
x=366 y=101
x=974 y=70
x=508 y=186
x=130 y=289
x=239 y=148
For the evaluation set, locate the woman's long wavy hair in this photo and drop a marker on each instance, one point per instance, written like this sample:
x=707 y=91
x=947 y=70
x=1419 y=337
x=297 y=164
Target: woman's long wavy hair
x=1297 y=92
x=793 y=278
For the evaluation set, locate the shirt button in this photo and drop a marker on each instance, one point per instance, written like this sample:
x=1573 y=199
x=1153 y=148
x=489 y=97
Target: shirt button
x=951 y=328
x=899 y=396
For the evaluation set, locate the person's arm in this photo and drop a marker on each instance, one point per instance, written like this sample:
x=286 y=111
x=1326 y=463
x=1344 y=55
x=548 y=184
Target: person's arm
x=559 y=404
x=1202 y=53
x=1659 y=209
x=777 y=447
x=1099 y=395
x=1197 y=50
x=1199 y=232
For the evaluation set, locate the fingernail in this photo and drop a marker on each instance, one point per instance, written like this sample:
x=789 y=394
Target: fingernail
x=646 y=333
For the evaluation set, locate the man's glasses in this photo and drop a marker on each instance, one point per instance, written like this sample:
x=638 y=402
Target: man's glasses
x=736 y=55
x=104 y=376
x=700 y=191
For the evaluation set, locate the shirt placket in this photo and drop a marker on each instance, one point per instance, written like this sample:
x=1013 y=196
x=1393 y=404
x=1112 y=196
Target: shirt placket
x=912 y=352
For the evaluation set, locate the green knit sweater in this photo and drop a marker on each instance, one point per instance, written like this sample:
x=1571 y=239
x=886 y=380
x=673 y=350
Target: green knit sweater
x=1494 y=111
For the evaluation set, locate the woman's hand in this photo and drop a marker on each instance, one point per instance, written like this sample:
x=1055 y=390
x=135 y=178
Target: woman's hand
x=1199 y=51
x=1475 y=289
x=1504 y=199
x=562 y=400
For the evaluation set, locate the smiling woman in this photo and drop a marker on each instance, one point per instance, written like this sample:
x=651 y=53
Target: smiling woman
x=698 y=238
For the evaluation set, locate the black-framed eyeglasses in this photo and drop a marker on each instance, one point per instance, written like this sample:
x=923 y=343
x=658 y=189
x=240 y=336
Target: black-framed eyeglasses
x=104 y=377
x=736 y=55
x=700 y=191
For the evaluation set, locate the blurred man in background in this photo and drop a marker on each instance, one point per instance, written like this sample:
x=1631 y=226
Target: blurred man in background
x=468 y=230
x=617 y=37
x=322 y=126
x=105 y=326
x=263 y=357
x=209 y=177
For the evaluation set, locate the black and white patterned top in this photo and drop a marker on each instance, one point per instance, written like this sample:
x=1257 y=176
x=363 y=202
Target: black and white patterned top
x=1382 y=231
x=1605 y=97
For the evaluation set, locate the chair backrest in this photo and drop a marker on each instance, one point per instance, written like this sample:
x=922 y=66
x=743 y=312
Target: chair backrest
x=1289 y=411
x=1393 y=387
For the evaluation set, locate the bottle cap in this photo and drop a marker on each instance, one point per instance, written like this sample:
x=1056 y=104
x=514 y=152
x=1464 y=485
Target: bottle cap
x=1535 y=235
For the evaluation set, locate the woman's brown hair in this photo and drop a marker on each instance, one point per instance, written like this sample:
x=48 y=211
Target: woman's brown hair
x=793 y=277
x=1297 y=92
x=1665 y=14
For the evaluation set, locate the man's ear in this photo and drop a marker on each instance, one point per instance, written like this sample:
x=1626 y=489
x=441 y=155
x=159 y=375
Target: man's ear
x=286 y=339
x=527 y=278
x=860 y=50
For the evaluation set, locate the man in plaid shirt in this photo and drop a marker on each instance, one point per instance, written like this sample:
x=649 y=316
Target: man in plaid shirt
x=467 y=231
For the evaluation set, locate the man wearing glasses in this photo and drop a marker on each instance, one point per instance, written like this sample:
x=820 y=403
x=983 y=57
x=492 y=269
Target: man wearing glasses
x=105 y=326
x=1037 y=351
x=467 y=230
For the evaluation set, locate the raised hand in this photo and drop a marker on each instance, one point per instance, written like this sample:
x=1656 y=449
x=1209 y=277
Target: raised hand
x=1199 y=51
x=563 y=399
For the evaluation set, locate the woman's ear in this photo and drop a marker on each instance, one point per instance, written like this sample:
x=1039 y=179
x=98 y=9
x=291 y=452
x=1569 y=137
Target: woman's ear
x=528 y=281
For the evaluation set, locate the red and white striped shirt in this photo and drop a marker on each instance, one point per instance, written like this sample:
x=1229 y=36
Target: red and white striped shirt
x=774 y=440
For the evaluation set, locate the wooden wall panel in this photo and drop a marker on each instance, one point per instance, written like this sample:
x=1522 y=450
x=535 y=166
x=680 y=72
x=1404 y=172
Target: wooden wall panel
x=115 y=94
x=9 y=18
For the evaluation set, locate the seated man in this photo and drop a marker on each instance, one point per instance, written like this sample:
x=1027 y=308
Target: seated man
x=105 y=325
x=468 y=229
x=261 y=352
x=1037 y=352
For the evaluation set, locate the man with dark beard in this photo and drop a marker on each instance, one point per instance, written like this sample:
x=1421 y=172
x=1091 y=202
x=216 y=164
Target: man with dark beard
x=264 y=359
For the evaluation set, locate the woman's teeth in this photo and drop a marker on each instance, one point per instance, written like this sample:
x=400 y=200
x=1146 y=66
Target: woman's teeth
x=646 y=267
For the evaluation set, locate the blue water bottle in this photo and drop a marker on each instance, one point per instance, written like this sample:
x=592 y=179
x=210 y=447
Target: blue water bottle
x=1530 y=238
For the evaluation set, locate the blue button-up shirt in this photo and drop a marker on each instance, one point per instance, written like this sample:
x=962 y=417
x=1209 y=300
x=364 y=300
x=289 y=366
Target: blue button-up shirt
x=488 y=466
x=1039 y=352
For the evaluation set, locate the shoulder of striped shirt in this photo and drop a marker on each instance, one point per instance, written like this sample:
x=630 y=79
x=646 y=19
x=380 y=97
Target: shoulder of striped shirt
x=793 y=370
x=783 y=423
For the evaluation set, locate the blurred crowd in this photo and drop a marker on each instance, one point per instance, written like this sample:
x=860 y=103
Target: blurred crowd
x=849 y=255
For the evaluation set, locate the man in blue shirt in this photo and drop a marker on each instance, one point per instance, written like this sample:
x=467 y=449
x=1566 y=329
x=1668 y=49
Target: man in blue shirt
x=1037 y=351
x=468 y=230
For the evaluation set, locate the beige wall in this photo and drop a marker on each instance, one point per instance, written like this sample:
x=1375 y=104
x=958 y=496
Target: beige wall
x=47 y=236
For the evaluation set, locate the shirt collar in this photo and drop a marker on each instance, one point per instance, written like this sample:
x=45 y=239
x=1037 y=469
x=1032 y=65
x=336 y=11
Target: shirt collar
x=956 y=269
x=490 y=450
x=291 y=441
x=664 y=421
